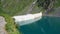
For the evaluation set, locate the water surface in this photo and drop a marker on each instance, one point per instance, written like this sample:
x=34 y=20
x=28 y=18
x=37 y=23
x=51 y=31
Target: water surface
x=46 y=25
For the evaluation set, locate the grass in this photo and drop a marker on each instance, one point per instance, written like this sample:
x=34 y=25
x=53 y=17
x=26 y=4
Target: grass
x=36 y=9
x=57 y=3
x=12 y=7
x=11 y=27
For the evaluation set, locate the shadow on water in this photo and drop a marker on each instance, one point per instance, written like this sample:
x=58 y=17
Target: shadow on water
x=46 y=25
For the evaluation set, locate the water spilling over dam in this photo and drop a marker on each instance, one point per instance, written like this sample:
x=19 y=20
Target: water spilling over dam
x=27 y=19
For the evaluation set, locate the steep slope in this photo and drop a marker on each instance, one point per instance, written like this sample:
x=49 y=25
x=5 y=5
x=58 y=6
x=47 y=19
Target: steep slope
x=12 y=7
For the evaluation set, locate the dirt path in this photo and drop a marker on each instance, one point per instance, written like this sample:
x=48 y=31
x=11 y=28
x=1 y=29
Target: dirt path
x=2 y=25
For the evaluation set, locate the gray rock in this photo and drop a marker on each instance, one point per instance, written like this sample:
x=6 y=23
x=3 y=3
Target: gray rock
x=2 y=25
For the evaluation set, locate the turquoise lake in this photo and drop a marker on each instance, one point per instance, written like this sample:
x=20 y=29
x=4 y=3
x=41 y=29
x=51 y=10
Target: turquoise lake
x=46 y=25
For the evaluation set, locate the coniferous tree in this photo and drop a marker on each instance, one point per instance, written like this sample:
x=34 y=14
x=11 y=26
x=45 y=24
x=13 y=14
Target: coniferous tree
x=44 y=3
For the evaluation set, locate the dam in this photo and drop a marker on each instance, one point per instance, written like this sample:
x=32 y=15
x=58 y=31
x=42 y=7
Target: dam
x=27 y=19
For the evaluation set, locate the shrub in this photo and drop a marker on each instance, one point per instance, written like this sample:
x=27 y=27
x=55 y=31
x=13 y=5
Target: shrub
x=10 y=26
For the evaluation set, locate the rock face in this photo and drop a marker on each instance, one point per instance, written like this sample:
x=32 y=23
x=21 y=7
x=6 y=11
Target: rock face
x=55 y=13
x=2 y=25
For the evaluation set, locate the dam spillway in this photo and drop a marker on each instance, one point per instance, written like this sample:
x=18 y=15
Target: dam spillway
x=27 y=19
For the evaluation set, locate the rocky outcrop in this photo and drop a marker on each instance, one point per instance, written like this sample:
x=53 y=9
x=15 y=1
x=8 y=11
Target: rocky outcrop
x=2 y=25
x=55 y=13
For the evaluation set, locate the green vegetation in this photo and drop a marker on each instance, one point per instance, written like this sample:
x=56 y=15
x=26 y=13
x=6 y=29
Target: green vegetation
x=10 y=26
x=9 y=8
x=57 y=3
x=13 y=7
x=45 y=4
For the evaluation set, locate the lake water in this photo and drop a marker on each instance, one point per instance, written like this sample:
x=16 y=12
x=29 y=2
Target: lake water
x=46 y=25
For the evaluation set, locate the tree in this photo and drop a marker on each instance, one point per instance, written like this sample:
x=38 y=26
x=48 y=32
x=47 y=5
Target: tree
x=44 y=3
